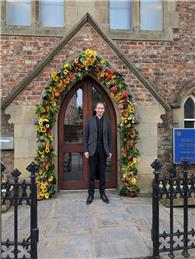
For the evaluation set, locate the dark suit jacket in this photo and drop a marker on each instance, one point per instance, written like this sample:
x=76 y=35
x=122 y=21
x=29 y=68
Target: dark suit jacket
x=90 y=136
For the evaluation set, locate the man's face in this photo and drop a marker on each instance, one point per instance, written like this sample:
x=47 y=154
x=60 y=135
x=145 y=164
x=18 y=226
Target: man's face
x=99 y=109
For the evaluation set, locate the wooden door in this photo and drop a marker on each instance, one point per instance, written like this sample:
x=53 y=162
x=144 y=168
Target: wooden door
x=77 y=106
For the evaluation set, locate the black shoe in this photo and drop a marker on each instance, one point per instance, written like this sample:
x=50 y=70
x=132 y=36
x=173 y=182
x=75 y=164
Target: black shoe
x=104 y=198
x=89 y=199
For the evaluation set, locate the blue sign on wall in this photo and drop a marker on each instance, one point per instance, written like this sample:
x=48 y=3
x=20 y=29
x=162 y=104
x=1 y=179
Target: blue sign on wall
x=183 y=145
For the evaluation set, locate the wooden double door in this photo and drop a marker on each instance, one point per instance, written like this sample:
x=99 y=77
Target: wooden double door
x=77 y=106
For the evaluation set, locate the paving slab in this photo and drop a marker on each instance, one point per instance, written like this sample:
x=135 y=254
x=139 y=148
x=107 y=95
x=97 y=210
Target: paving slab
x=68 y=228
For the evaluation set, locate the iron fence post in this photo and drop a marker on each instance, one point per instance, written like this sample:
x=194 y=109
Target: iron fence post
x=156 y=165
x=185 y=164
x=16 y=175
x=34 y=229
x=2 y=170
x=171 y=198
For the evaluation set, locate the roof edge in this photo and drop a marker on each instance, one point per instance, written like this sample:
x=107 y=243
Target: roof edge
x=130 y=65
x=16 y=91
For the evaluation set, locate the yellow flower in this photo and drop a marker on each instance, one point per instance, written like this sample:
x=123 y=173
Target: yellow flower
x=112 y=95
x=44 y=190
x=50 y=179
x=133 y=134
x=40 y=173
x=124 y=175
x=92 y=60
x=43 y=129
x=47 y=195
x=88 y=52
x=118 y=96
x=66 y=66
x=135 y=160
x=130 y=165
x=47 y=148
x=84 y=62
x=133 y=180
x=101 y=74
x=130 y=109
x=43 y=186
x=38 y=180
x=66 y=71
x=102 y=61
x=51 y=137
x=60 y=85
x=45 y=120
x=41 y=122
x=40 y=196
x=54 y=76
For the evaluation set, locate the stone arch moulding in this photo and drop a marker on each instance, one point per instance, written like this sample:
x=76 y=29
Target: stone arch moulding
x=61 y=82
x=178 y=106
x=187 y=89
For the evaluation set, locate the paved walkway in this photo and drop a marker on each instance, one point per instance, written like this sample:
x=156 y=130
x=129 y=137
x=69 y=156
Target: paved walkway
x=71 y=229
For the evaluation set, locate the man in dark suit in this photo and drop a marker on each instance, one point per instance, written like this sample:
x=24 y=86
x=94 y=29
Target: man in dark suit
x=97 y=148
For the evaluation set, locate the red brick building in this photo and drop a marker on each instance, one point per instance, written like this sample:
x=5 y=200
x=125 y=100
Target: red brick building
x=151 y=44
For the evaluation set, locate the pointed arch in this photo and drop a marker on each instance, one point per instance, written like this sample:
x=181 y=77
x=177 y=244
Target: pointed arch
x=187 y=90
x=61 y=82
x=189 y=112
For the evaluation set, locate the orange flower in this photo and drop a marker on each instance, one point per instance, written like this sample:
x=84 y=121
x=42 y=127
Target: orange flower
x=109 y=74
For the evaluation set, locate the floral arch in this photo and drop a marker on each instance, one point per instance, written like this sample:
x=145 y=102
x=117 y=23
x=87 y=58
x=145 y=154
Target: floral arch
x=61 y=81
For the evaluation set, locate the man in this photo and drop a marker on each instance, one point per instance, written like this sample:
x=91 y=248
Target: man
x=97 y=147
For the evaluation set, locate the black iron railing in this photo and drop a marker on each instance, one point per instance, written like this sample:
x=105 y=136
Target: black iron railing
x=171 y=188
x=15 y=193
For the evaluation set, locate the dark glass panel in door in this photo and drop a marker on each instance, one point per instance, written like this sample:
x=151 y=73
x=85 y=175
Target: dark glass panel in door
x=73 y=120
x=73 y=166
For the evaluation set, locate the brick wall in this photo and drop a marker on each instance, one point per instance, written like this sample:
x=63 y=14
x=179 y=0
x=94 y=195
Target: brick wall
x=168 y=65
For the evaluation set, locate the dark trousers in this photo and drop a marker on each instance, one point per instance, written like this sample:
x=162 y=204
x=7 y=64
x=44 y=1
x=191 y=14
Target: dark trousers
x=97 y=165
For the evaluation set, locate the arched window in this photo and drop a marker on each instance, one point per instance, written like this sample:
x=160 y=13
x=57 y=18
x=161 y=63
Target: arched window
x=189 y=112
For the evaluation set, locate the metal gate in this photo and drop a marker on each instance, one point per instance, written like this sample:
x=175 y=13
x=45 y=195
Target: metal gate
x=16 y=193
x=171 y=188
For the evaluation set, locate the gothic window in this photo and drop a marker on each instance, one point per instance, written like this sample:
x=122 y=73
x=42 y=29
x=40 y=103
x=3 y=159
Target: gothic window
x=189 y=112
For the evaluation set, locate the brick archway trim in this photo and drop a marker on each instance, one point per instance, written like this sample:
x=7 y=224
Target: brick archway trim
x=86 y=19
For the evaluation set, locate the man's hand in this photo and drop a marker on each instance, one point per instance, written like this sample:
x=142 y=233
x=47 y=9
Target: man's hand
x=86 y=155
x=110 y=155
